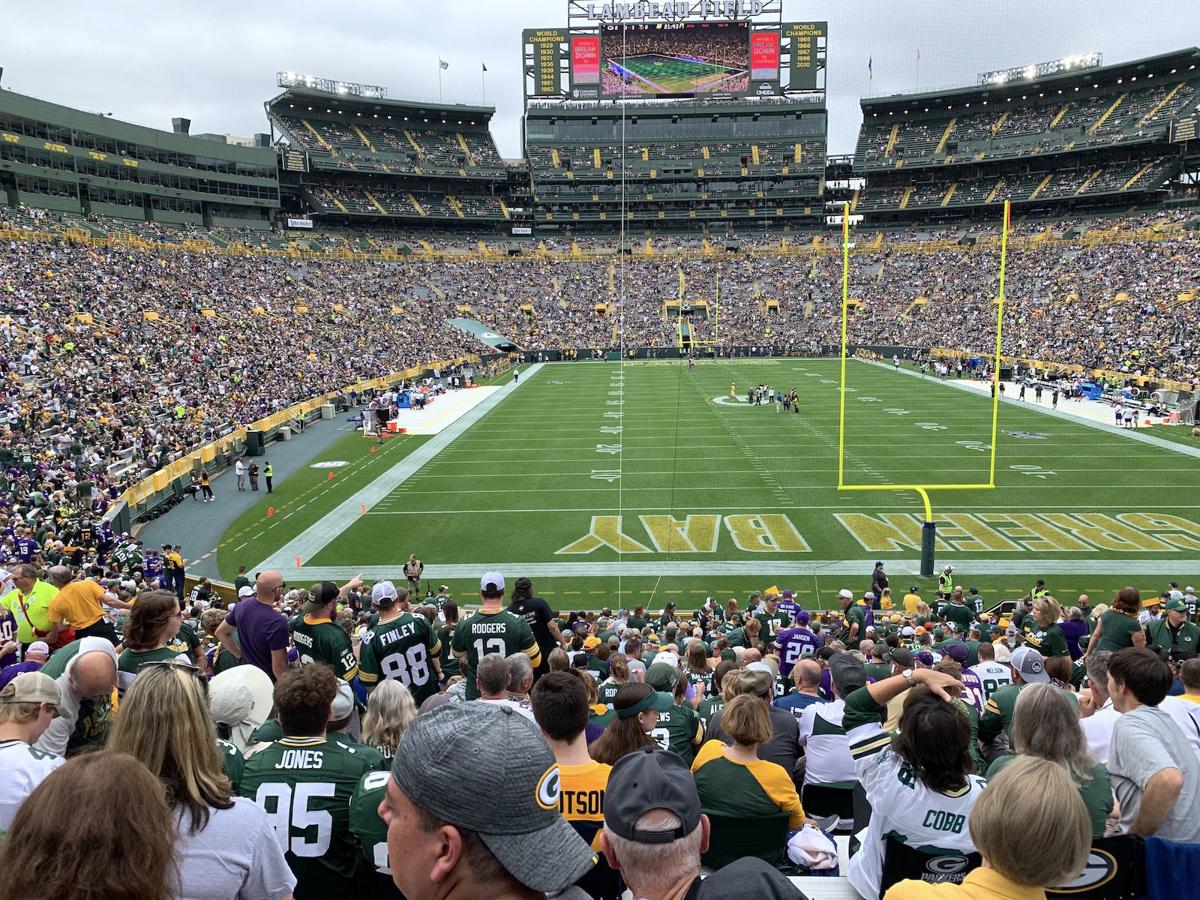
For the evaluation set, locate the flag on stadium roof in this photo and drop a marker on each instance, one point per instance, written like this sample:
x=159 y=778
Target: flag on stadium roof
x=443 y=64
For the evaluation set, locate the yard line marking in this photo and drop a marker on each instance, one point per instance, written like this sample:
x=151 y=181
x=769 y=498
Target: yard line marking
x=318 y=535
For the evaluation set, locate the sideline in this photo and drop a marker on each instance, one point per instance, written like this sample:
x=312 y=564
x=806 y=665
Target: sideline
x=1132 y=435
x=316 y=537
x=789 y=568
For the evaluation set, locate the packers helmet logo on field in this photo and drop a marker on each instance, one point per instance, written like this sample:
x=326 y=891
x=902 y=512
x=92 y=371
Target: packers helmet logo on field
x=1101 y=868
x=548 y=789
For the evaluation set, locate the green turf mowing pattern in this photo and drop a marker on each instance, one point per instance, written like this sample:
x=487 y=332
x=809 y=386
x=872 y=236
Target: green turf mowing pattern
x=523 y=485
x=674 y=75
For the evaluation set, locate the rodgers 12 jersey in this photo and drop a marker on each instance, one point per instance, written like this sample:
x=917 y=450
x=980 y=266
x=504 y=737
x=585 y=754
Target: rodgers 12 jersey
x=500 y=632
x=305 y=786
x=323 y=641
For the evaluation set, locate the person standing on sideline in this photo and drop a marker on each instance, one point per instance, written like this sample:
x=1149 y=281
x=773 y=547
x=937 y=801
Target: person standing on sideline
x=253 y=476
x=239 y=470
x=412 y=571
x=205 y=487
x=262 y=633
x=269 y=474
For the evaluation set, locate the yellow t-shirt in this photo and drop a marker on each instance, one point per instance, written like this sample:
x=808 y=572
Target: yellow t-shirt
x=980 y=884
x=78 y=604
x=581 y=798
x=911 y=601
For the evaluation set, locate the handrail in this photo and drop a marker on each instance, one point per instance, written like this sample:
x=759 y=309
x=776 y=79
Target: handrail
x=1070 y=369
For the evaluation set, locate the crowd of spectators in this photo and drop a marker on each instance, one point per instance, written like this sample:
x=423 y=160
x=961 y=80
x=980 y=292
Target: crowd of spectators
x=318 y=742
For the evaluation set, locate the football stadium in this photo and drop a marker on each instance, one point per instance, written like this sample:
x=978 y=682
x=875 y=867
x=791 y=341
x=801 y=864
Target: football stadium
x=710 y=468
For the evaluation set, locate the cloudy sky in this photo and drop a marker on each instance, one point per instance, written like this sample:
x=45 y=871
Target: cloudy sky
x=215 y=61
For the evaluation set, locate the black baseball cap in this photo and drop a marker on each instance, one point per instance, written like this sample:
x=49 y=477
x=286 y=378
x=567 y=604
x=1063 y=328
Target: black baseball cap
x=646 y=780
x=848 y=673
x=901 y=656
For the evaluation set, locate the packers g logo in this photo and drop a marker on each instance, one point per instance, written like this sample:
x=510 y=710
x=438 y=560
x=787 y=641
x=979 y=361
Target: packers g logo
x=548 y=789
x=947 y=865
x=1101 y=868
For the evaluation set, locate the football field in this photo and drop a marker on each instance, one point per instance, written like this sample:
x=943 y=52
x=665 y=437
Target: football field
x=610 y=482
x=660 y=74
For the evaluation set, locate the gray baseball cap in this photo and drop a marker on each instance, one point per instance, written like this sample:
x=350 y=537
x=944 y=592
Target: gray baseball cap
x=1028 y=663
x=646 y=780
x=486 y=769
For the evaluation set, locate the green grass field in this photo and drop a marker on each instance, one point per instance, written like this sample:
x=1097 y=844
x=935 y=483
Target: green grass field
x=608 y=483
x=670 y=74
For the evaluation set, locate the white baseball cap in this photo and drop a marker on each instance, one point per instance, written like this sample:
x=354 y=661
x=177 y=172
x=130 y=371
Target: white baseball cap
x=382 y=591
x=245 y=591
x=846 y=594
x=491 y=582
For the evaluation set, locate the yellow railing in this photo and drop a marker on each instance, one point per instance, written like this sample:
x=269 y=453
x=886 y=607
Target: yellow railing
x=1070 y=369
x=185 y=466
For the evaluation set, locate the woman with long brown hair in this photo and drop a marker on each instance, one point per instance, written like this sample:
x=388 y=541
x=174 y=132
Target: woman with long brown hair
x=637 y=707
x=225 y=844
x=153 y=621
x=98 y=828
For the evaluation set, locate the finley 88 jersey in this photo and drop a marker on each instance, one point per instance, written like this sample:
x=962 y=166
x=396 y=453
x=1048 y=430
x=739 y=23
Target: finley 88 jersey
x=305 y=785
x=403 y=649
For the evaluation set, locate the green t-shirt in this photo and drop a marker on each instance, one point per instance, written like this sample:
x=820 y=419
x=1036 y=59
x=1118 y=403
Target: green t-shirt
x=1096 y=792
x=305 y=786
x=854 y=613
x=401 y=648
x=1117 y=630
x=187 y=642
x=370 y=837
x=130 y=661
x=232 y=762
x=679 y=730
x=960 y=614
x=1046 y=641
x=320 y=640
x=482 y=633
x=95 y=716
x=635 y=622
x=709 y=707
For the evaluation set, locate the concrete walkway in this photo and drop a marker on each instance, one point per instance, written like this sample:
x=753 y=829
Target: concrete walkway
x=199 y=526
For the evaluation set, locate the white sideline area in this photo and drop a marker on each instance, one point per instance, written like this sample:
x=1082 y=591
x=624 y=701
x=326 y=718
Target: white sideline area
x=444 y=411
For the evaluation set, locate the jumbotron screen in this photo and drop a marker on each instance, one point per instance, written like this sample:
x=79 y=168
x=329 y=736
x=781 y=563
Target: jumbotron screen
x=676 y=59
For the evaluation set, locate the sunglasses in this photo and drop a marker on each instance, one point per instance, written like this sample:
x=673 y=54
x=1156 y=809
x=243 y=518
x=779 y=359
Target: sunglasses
x=173 y=664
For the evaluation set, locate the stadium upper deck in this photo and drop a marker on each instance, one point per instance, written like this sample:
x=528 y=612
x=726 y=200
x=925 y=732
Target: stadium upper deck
x=686 y=165
x=55 y=157
x=1088 y=138
x=391 y=158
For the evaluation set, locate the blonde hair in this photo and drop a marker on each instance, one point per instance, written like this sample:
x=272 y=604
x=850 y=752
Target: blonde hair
x=1047 y=610
x=745 y=719
x=1036 y=838
x=390 y=711
x=164 y=721
x=1046 y=724
x=18 y=713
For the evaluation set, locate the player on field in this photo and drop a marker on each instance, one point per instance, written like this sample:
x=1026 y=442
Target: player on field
x=491 y=630
x=305 y=781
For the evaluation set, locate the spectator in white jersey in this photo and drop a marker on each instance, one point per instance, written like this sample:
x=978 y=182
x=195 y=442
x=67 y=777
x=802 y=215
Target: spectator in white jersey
x=829 y=772
x=27 y=705
x=920 y=783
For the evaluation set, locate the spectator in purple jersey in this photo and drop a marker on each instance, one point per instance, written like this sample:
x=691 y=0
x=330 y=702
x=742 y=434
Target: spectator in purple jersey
x=795 y=643
x=8 y=638
x=788 y=605
x=35 y=657
x=974 y=688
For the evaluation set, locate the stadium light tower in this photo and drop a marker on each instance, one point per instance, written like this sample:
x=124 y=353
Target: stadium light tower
x=1089 y=60
x=331 y=86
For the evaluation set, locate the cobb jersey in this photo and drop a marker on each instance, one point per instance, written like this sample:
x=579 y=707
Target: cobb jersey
x=990 y=676
x=794 y=644
x=320 y=640
x=903 y=807
x=500 y=632
x=370 y=837
x=305 y=786
x=402 y=649
x=679 y=730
